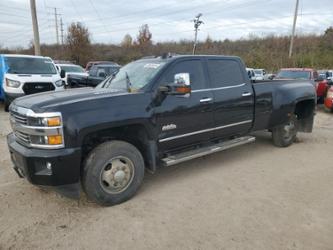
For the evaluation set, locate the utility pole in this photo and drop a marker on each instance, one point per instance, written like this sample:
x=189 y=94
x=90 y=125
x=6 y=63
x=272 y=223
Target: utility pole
x=294 y=28
x=35 y=27
x=62 y=31
x=56 y=24
x=197 y=23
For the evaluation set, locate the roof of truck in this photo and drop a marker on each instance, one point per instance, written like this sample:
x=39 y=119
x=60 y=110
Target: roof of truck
x=298 y=69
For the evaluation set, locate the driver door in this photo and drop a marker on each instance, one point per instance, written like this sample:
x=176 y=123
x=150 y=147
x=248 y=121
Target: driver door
x=185 y=120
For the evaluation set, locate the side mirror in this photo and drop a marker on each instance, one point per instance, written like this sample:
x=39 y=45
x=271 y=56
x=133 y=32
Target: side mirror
x=62 y=73
x=176 y=89
x=102 y=74
x=180 y=87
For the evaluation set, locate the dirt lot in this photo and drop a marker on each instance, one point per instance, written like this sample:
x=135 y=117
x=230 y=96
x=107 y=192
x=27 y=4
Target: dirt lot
x=252 y=197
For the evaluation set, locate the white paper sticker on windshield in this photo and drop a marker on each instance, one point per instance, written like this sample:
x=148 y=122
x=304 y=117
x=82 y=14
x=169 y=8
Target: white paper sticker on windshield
x=152 y=65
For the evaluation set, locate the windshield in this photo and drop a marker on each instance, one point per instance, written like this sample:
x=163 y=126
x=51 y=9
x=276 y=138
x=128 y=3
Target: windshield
x=294 y=74
x=72 y=68
x=258 y=72
x=30 y=65
x=136 y=75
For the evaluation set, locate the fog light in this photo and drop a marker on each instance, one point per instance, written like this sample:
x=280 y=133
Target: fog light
x=54 y=139
x=49 y=165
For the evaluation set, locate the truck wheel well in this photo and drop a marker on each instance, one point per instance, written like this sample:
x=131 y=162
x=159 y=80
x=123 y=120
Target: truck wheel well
x=305 y=115
x=133 y=134
x=305 y=109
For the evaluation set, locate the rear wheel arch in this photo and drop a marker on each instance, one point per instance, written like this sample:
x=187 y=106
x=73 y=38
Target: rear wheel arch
x=305 y=111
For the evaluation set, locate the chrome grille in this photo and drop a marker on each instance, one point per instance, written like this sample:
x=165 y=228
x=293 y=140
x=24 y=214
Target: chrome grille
x=19 y=118
x=22 y=137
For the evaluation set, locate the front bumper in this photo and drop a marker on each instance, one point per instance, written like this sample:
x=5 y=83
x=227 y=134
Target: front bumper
x=59 y=168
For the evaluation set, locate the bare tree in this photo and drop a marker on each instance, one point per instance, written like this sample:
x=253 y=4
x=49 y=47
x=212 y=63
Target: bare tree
x=78 y=43
x=144 y=36
x=127 y=41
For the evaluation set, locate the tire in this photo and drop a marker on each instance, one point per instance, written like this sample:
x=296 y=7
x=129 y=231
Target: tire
x=113 y=172
x=6 y=106
x=285 y=134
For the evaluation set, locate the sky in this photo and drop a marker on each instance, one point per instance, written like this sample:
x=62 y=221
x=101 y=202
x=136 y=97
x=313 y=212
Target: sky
x=171 y=20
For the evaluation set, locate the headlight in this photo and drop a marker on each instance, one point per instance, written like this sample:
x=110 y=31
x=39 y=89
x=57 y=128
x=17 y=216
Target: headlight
x=59 y=83
x=45 y=121
x=12 y=83
x=38 y=130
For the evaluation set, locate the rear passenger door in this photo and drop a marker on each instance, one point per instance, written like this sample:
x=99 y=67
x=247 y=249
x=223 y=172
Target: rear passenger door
x=233 y=97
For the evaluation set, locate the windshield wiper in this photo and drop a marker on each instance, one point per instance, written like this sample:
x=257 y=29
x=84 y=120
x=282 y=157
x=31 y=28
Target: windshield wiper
x=109 y=81
x=128 y=83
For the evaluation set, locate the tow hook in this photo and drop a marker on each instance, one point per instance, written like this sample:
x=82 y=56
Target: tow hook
x=19 y=172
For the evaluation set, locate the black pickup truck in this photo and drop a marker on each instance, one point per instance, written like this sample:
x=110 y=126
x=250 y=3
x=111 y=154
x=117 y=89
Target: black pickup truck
x=97 y=74
x=154 y=112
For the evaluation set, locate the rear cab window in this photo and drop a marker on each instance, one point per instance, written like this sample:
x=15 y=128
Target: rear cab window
x=224 y=73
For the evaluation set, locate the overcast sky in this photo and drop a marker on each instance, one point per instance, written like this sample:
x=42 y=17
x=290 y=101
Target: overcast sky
x=108 y=21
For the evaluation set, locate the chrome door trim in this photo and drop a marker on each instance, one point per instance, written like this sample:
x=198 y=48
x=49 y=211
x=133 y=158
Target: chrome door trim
x=204 y=131
x=226 y=87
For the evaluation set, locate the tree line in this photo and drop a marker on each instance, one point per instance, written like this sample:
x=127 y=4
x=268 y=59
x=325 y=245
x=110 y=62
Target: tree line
x=269 y=52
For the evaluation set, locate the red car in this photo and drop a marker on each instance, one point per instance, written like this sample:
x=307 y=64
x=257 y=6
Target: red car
x=321 y=88
x=328 y=102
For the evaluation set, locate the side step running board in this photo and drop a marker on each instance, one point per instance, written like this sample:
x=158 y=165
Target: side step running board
x=195 y=153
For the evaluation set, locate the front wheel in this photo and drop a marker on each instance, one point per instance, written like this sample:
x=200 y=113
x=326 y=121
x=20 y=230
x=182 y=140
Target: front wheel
x=6 y=105
x=285 y=134
x=113 y=172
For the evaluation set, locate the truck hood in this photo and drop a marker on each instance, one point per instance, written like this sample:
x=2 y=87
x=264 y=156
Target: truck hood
x=33 y=78
x=51 y=100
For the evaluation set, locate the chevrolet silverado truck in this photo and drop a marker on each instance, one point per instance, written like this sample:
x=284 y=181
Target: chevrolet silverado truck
x=154 y=112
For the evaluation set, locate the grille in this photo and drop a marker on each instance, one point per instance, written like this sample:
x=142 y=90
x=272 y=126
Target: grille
x=37 y=87
x=19 y=118
x=22 y=137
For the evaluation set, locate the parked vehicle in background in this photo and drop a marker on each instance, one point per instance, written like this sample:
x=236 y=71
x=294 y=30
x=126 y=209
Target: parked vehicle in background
x=26 y=74
x=96 y=75
x=306 y=74
x=326 y=74
x=297 y=74
x=154 y=112
x=322 y=85
x=270 y=76
x=259 y=74
x=250 y=73
x=90 y=64
x=328 y=102
x=66 y=69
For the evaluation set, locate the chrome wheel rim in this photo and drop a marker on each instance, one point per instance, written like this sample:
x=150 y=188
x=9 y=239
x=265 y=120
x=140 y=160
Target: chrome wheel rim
x=117 y=174
x=289 y=130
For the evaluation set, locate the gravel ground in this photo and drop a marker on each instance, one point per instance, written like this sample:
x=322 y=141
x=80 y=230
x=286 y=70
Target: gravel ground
x=252 y=197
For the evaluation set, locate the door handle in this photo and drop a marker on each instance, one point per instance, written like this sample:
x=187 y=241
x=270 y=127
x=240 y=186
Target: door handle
x=247 y=94
x=208 y=99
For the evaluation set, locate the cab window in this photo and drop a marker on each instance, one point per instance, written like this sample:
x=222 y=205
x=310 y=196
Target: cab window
x=224 y=73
